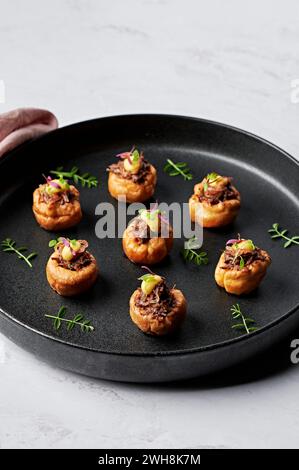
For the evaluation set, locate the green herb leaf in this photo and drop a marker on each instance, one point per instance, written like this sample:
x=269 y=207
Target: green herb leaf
x=178 y=168
x=85 y=179
x=9 y=245
x=78 y=320
x=189 y=253
x=276 y=233
x=236 y=314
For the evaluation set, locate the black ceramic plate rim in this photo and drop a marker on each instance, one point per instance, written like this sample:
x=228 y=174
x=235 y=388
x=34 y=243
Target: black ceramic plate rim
x=212 y=347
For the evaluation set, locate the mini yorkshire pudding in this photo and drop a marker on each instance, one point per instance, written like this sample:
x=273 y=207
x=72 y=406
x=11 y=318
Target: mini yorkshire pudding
x=241 y=267
x=155 y=308
x=71 y=269
x=56 y=205
x=148 y=238
x=132 y=177
x=215 y=201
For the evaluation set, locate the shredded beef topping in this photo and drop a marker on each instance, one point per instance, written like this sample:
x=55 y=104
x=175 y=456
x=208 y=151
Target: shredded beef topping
x=232 y=257
x=119 y=170
x=219 y=193
x=158 y=303
x=76 y=264
x=61 y=198
x=140 y=230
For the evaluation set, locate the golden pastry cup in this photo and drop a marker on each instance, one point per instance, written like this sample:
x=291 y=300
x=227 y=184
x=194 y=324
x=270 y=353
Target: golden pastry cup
x=57 y=217
x=69 y=283
x=133 y=192
x=154 y=325
x=241 y=281
x=216 y=215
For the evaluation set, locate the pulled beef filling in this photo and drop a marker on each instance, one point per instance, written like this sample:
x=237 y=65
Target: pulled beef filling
x=119 y=170
x=83 y=259
x=232 y=257
x=62 y=198
x=139 y=229
x=158 y=303
x=215 y=195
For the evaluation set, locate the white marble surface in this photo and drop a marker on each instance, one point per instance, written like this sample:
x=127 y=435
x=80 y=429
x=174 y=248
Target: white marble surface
x=229 y=61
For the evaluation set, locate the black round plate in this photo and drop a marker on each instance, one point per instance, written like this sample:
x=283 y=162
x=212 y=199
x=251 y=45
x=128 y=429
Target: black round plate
x=268 y=181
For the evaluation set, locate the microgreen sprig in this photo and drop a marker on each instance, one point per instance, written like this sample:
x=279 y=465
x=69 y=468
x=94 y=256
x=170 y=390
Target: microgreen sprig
x=190 y=254
x=179 y=168
x=78 y=320
x=9 y=246
x=238 y=315
x=276 y=233
x=210 y=178
x=85 y=180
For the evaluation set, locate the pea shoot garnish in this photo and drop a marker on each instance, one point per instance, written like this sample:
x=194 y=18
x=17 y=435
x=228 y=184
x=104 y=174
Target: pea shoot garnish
x=243 y=322
x=191 y=253
x=77 y=320
x=9 y=246
x=178 y=168
x=85 y=180
x=277 y=233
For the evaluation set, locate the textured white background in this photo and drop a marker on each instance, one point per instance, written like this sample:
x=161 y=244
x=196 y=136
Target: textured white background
x=230 y=61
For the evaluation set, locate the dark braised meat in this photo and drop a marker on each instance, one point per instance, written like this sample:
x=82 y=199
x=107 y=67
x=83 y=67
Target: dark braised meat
x=139 y=229
x=76 y=264
x=82 y=259
x=119 y=170
x=62 y=198
x=158 y=303
x=214 y=195
x=232 y=258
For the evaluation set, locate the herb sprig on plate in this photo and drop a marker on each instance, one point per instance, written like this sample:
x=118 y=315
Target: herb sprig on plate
x=85 y=180
x=243 y=322
x=178 y=168
x=190 y=252
x=9 y=246
x=277 y=233
x=77 y=320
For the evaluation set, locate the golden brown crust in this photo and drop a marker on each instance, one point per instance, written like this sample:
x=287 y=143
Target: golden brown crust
x=150 y=252
x=69 y=283
x=159 y=326
x=134 y=192
x=56 y=217
x=216 y=215
x=241 y=281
